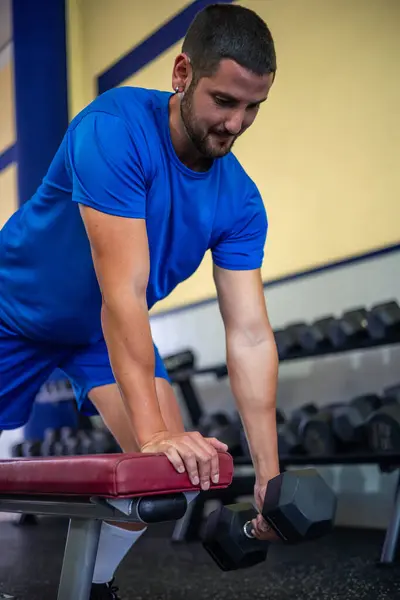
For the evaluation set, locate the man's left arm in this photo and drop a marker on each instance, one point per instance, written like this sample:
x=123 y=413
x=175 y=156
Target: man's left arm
x=252 y=362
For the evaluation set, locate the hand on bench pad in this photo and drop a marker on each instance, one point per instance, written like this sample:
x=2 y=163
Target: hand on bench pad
x=108 y=476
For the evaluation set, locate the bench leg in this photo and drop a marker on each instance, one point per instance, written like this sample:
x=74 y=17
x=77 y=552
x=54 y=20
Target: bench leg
x=392 y=533
x=79 y=559
x=187 y=528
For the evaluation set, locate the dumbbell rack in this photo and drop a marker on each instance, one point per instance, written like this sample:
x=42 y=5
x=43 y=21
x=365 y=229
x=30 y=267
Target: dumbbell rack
x=189 y=528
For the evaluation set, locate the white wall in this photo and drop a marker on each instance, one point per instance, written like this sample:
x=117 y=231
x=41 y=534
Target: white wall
x=365 y=495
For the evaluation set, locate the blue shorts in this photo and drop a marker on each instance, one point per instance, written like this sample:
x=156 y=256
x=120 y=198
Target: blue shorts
x=25 y=365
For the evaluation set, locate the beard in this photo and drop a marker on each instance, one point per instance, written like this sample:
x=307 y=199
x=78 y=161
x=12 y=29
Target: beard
x=207 y=143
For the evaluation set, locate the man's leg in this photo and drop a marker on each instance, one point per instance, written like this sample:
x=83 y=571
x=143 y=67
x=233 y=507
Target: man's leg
x=116 y=539
x=93 y=380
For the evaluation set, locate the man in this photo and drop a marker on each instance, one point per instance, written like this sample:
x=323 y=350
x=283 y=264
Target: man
x=143 y=184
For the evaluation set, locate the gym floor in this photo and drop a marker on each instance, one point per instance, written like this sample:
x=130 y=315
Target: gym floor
x=340 y=567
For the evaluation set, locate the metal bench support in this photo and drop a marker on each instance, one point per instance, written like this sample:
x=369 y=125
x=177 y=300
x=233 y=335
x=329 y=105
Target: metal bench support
x=79 y=559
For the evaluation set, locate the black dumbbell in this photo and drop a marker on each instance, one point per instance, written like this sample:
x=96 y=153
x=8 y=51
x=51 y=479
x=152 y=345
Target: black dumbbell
x=299 y=506
x=103 y=441
x=288 y=339
x=300 y=415
x=184 y=360
x=85 y=442
x=51 y=445
x=69 y=443
x=383 y=427
x=351 y=329
x=317 y=337
x=349 y=422
x=26 y=448
x=391 y=395
x=384 y=320
x=16 y=450
x=31 y=448
x=209 y=422
x=290 y=431
x=288 y=442
x=224 y=428
x=316 y=433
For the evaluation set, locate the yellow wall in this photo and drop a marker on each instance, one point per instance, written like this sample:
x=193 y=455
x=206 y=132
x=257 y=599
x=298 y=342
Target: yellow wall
x=323 y=150
x=327 y=142
x=8 y=178
x=100 y=32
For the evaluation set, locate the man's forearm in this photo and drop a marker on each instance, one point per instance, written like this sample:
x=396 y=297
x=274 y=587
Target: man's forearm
x=127 y=333
x=253 y=371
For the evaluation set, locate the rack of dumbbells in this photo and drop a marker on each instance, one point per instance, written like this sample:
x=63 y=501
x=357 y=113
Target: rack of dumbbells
x=80 y=437
x=68 y=441
x=360 y=430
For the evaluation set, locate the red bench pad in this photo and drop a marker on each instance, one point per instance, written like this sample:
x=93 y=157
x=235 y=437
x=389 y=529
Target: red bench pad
x=106 y=475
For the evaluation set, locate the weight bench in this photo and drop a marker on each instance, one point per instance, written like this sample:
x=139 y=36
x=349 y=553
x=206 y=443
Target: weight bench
x=135 y=488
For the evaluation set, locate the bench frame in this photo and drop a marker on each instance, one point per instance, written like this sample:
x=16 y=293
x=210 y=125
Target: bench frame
x=85 y=519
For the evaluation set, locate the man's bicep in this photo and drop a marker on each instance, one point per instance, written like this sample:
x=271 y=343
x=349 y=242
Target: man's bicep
x=120 y=253
x=107 y=169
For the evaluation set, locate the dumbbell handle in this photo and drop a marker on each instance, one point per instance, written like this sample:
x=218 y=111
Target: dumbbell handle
x=247 y=528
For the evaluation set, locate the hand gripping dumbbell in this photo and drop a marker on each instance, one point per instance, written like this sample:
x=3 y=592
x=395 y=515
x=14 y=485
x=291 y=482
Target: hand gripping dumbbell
x=298 y=505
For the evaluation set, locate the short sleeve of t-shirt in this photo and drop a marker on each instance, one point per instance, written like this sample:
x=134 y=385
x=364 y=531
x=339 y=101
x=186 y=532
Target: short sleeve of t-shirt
x=106 y=167
x=242 y=247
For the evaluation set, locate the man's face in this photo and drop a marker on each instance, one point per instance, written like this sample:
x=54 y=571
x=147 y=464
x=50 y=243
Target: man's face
x=220 y=108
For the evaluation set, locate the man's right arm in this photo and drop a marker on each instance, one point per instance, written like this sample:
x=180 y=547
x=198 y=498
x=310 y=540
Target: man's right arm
x=121 y=260
x=110 y=168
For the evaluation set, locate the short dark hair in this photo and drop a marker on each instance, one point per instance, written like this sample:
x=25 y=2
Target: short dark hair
x=229 y=31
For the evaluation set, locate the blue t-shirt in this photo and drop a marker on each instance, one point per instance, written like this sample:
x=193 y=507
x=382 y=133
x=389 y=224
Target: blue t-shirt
x=117 y=157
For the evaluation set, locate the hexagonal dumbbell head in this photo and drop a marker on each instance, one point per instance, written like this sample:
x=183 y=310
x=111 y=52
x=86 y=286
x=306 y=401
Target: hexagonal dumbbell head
x=349 y=421
x=225 y=540
x=299 y=505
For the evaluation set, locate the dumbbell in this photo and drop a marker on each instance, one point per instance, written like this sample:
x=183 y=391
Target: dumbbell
x=226 y=430
x=384 y=320
x=351 y=329
x=288 y=442
x=183 y=360
x=210 y=421
x=26 y=448
x=69 y=443
x=103 y=441
x=316 y=434
x=51 y=445
x=349 y=422
x=383 y=427
x=298 y=505
x=299 y=414
x=318 y=336
x=288 y=339
x=86 y=443
x=290 y=431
